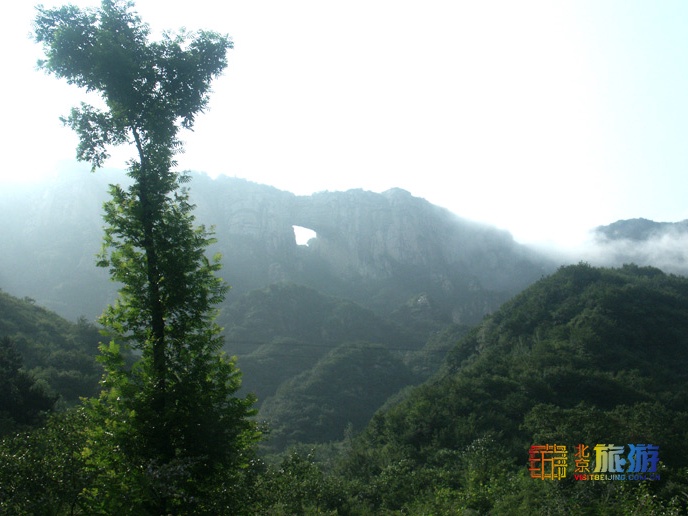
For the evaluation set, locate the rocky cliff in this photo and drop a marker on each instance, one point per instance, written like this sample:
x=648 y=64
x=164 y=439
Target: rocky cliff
x=380 y=250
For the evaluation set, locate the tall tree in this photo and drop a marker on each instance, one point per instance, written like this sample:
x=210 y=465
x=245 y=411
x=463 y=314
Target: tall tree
x=177 y=406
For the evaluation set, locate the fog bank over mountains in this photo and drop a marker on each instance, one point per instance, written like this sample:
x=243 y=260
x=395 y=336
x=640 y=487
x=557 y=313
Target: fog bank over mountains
x=645 y=242
x=641 y=241
x=383 y=251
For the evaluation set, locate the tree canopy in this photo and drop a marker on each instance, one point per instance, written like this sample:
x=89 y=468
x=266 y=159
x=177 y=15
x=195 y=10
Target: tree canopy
x=150 y=88
x=173 y=418
x=586 y=355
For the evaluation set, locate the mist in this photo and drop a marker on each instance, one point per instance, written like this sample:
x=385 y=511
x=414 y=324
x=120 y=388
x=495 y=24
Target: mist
x=664 y=246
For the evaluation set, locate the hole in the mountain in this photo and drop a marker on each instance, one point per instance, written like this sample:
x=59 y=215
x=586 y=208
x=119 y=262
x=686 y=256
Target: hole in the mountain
x=303 y=235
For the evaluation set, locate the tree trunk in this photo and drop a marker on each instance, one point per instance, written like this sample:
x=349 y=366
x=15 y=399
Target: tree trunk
x=157 y=314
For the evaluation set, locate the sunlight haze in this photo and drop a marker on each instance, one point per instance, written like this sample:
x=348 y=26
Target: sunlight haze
x=542 y=118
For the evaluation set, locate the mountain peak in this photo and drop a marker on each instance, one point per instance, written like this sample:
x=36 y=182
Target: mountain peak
x=376 y=249
x=638 y=229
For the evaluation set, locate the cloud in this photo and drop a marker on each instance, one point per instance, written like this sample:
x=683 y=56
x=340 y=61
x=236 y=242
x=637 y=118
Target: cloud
x=666 y=249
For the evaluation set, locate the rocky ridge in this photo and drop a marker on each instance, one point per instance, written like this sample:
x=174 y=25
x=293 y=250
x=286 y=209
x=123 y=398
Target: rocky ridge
x=379 y=250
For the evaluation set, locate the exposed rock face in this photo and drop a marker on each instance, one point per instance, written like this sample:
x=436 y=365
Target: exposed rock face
x=49 y=237
x=371 y=235
x=377 y=236
x=377 y=249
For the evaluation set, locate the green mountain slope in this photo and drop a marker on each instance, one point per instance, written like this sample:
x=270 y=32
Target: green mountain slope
x=342 y=391
x=283 y=330
x=585 y=356
x=53 y=349
x=318 y=363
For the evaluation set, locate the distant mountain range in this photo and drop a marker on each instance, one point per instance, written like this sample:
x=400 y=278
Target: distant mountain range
x=384 y=251
x=384 y=274
x=380 y=295
x=379 y=250
x=644 y=242
x=640 y=229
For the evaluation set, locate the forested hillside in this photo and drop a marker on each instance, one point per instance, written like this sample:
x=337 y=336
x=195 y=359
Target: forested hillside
x=393 y=364
x=283 y=330
x=337 y=397
x=585 y=356
x=56 y=351
x=320 y=364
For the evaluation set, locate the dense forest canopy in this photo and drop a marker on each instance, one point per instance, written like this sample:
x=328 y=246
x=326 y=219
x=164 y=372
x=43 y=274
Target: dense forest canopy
x=587 y=355
x=60 y=353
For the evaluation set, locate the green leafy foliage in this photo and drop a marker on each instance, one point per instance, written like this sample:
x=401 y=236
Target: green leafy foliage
x=44 y=471
x=166 y=434
x=149 y=87
x=341 y=392
x=54 y=351
x=23 y=401
x=285 y=329
x=298 y=485
x=584 y=356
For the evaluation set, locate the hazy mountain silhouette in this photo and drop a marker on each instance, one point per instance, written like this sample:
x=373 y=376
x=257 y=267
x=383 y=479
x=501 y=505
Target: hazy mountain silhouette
x=379 y=250
x=389 y=282
x=640 y=229
x=644 y=242
x=384 y=273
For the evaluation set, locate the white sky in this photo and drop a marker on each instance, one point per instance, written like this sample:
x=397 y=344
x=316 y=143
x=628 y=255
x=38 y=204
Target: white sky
x=545 y=118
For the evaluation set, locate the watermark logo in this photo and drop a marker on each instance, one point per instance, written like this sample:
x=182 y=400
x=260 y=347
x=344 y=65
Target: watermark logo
x=602 y=462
